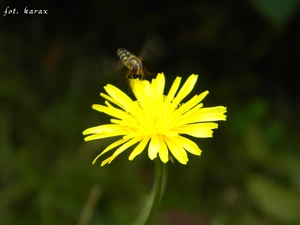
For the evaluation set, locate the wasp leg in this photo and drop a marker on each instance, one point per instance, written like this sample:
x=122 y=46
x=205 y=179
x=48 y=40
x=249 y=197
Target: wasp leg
x=143 y=77
x=148 y=74
x=126 y=77
x=128 y=74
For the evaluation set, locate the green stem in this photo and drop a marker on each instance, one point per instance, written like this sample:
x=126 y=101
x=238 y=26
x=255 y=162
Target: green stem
x=159 y=172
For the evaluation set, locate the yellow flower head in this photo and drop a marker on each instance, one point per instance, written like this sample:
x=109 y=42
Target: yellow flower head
x=155 y=119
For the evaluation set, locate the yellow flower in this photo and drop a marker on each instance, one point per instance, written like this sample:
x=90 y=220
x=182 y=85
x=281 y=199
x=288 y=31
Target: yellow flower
x=155 y=119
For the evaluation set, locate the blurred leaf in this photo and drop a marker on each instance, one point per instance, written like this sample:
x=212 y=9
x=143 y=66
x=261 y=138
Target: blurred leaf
x=251 y=113
x=287 y=165
x=256 y=144
x=275 y=200
x=277 y=11
x=247 y=218
x=5 y=134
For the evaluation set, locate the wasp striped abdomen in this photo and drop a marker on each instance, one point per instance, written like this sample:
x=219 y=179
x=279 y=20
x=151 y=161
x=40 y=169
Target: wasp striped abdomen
x=123 y=54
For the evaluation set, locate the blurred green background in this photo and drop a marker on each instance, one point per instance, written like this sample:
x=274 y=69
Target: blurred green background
x=246 y=54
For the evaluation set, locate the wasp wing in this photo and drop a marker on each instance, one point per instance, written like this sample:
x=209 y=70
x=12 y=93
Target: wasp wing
x=154 y=46
x=110 y=66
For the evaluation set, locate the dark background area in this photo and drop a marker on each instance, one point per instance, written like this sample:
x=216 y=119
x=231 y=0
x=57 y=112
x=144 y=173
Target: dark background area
x=246 y=54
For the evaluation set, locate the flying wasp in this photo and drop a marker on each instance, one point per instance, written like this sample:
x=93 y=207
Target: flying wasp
x=133 y=63
x=153 y=47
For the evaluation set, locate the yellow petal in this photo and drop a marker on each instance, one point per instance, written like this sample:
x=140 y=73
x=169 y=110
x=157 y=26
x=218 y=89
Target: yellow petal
x=143 y=93
x=199 y=134
x=107 y=97
x=209 y=114
x=139 y=148
x=126 y=146
x=177 y=151
x=117 y=113
x=138 y=88
x=158 y=85
x=119 y=96
x=153 y=147
x=173 y=89
x=111 y=146
x=186 y=117
x=181 y=115
x=120 y=150
x=192 y=103
x=186 y=89
x=197 y=130
x=188 y=105
x=102 y=129
x=106 y=161
x=188 y=145
x=197 y=126
x=163 y=150
x=105 y=135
